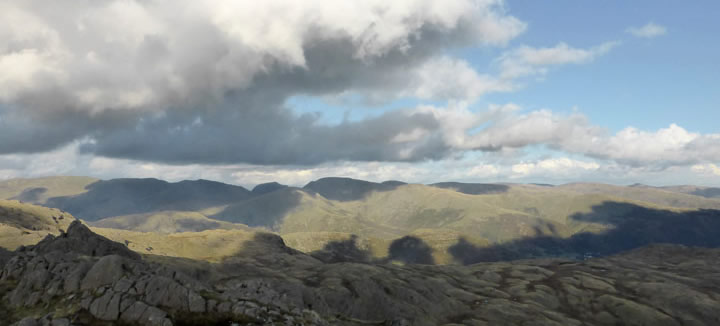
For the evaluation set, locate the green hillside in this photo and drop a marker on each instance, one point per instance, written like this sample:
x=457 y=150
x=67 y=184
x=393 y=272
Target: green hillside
x=379 y=220
x=166 y=222
x=25 y=224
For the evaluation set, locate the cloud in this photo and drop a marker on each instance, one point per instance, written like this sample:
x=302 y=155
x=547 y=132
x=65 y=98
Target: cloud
x=649 y=30
x=564 y=167
x=708 y=169
x=528 y=61
x=208 y=83
x=125 y=81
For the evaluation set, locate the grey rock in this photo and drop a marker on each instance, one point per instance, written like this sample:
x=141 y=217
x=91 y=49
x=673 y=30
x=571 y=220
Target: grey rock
x=28 y=321
x=196 y=303
x=153 y=316
x=79 y=239
x=107 y=307
x=107 y=270
x=60 y=322
x=134 y=312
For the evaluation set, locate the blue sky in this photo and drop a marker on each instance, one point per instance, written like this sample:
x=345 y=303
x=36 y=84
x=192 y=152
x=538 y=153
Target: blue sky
x=647 y=83
x=644 y=82
x=418 y=90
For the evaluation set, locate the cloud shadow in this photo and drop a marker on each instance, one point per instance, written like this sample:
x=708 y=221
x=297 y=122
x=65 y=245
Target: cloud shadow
x=472 y=188
x=117 y=197
x=266 y=210
x=347 y=189
x=630 y=226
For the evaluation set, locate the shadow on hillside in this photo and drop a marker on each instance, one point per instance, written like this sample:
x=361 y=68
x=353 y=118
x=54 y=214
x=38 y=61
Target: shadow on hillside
x=347 y=189
x=411 y=250
x=342 y=251
x=408 y=249
x=267 y=210
x=632 y=226
x=118 y=197
x=707 y=192
x=472 y=188
x=30 y=195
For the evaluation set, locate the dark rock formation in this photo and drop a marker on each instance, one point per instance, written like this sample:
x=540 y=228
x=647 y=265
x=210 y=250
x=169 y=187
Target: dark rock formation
x=270 y=284
x=79 y=239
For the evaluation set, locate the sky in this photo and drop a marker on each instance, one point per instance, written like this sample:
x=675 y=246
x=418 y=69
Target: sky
x=423 y=91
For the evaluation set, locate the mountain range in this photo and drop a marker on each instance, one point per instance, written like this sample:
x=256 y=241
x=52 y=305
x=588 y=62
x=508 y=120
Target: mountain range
x=342 y=217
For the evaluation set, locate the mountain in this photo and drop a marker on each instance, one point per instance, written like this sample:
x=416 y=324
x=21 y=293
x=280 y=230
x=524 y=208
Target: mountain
x=137 y=196
x=267 y=283
x=347 y=189
x=269 y=187
x=331 y=215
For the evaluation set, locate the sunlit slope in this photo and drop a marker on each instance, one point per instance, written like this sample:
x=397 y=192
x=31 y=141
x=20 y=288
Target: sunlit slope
x=681 y=196
x=25 y=224
x=211 y=245
x=520 y=211
x=39 y=190
x=166 y=222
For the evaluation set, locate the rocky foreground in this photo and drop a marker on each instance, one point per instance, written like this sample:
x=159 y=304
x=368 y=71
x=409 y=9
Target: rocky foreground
x=80 y=278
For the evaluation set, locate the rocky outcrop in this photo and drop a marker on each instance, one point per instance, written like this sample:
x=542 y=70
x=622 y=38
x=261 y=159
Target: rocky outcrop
x=270 y=284
x=80 y=240
x=89 y=288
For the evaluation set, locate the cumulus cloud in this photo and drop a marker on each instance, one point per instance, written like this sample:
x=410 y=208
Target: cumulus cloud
x=529 y=61
x=558 y=166
x=208 y=83
x=142 y=85
x=649 y=30
x=707 y=169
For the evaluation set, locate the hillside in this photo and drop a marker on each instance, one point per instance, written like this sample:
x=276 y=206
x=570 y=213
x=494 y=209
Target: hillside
x=25 y=224
x=39 y=190
x=166 y=222
x=367 y=219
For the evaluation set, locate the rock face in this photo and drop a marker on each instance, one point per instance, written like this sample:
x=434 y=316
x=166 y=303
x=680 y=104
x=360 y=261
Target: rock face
x=108 y=283
x=269 y=284
x=79 y=239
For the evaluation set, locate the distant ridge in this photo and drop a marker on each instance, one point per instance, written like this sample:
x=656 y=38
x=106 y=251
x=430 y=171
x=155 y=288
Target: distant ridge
x=347 y=189
x=265 y=188
x=135 y=196
x=472 y=188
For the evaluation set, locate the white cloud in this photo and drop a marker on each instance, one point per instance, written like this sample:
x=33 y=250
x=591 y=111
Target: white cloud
x=528 y=61
x=555 y=167
x=706 y=169
x=673 y=145
x=450 y=78
x=134 y=54
x=649 y=30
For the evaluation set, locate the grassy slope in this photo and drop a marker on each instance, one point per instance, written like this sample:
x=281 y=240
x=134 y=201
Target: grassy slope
x=166 y=222
x=309 y=221
x=25 y=224
x=669 y=196
x=56 y=187
x=211 y=245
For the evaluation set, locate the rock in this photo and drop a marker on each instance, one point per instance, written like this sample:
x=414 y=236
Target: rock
x=107 y=307
x=196 y=303
x=79 y=239
x=106 y=271
x=134 y=312
x=162 y=291
x=28 y=321
x=60 y=322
